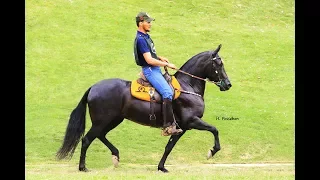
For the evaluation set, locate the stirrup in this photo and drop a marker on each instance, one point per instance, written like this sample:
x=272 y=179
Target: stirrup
x=171 y=130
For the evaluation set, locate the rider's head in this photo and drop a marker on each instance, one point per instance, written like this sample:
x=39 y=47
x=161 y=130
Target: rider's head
x=143 y=17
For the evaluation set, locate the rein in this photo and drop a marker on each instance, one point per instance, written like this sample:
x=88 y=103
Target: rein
x=189 y=92
x=216 y=83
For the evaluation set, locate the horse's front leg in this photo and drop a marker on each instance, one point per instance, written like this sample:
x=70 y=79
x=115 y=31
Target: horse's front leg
x=171 y=143
x=199 y=124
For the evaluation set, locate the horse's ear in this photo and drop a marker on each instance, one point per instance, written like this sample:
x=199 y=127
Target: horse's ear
x=218 y=48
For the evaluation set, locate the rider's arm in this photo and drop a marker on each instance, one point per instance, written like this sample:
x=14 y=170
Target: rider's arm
x=154 y=62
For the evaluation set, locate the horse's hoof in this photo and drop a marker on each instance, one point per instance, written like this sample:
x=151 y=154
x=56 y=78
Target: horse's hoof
x=164 y=170
x=115 y=161
x=209 y=155
x=83 y=169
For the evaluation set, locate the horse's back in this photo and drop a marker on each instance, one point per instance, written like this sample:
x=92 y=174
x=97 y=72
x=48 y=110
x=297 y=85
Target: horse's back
x=108 y=90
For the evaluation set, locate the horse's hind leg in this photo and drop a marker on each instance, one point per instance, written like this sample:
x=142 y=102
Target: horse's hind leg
x=105 y=141
x=86 y=141
x=99 y=130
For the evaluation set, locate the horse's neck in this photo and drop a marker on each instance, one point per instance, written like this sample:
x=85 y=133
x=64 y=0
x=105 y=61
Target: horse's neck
x=194 y=67
x=190 y=83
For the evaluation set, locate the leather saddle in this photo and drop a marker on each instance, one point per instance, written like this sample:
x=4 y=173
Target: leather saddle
x=143 y=90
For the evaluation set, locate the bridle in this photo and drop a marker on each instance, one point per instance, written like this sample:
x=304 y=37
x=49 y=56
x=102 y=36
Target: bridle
x=216 y=83
x=189 y=92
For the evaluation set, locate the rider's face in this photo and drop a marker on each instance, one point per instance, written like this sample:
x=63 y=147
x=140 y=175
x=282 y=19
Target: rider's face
x=146 y=26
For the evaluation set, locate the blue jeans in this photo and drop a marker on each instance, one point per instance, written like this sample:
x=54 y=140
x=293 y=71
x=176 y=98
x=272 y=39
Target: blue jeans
x=155 y=77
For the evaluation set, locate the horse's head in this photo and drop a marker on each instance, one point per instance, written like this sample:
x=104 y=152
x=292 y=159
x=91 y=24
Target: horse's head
x=217 y=73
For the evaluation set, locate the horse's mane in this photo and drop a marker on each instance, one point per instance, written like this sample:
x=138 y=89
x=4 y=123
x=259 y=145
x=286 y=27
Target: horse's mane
x=191 y=63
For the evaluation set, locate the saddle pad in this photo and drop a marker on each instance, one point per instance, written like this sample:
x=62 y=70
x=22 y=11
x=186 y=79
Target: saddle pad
x=142 y=92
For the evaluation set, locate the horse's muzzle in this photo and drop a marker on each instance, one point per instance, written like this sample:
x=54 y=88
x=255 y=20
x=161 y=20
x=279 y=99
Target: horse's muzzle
x=225 y=85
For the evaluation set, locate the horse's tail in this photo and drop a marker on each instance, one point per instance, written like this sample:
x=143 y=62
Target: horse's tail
x=75 y=129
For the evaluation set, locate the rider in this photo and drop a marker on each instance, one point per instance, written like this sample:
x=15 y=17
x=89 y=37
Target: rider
x=146 y=57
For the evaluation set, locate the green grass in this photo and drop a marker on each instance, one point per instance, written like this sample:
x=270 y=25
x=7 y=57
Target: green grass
x=71 y=45
x=137 y=171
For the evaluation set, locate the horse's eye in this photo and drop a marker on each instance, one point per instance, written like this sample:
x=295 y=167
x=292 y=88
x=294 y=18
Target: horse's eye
x=219 y=62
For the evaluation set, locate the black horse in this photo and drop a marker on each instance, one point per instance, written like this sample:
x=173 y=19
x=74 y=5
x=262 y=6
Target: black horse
x=110 y=102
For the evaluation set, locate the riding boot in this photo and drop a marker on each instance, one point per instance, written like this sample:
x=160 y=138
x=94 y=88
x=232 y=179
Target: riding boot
x=169 y=122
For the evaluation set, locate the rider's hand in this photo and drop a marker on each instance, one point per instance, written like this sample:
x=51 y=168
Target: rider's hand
x=172 y=66
x=164 y=59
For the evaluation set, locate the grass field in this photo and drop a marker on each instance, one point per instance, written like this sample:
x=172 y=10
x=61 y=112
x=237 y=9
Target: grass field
x=71 y=45
x=181 y=171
